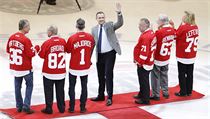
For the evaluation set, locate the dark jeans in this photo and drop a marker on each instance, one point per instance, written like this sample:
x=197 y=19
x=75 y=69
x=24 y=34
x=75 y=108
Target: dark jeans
x=48 y=91
x=83 y=96
x=29 y=88
x=185 y=78
x=105 y=66
x=143 y=76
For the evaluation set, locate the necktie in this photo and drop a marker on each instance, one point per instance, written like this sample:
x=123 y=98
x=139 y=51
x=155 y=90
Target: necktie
x=100 y=39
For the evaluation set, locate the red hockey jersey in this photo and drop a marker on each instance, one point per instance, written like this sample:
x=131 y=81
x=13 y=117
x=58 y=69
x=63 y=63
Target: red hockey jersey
x=186 y=43
x=80 y=45
x=165 y=37
x=144 y=50
x=20 y=51
x=53 y=52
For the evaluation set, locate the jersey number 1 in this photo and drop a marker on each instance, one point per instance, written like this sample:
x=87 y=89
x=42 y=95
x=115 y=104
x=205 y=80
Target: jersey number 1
x=82 y=60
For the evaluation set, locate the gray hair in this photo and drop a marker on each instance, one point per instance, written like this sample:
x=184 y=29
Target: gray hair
x=146 y=21
x=23 y=23
x=53 y=29
x=163 y=18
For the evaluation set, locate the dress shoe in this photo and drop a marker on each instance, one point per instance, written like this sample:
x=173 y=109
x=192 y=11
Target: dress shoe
x=47 y=111
x=83 y=110
x=109 y=102
x=19 y=109
x=28 y=111
x=137 y=96
x=155 y=98
x=98 y=99
x=166 y=96
x=71 y=110
x=139 y=101
x=180 y=95
x=62 y=110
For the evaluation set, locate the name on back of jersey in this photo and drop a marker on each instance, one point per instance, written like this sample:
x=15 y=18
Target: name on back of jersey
x=16 y=44
x=168 y=38
x=191 y=33
x=82 y=43
x=56 y=48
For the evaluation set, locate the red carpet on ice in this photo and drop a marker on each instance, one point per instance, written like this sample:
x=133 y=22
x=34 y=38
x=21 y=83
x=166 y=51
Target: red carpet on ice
x=123 y=107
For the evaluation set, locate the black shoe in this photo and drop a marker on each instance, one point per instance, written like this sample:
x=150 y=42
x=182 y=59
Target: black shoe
x=98 y=99
x=28 y=111
x=155 y=98
x=142 y=102
x=46 y=111
x=19 y=109
x=50 y=3
x=166 y=96
x=109 y=102
x=62 y=111
x=137 y=96
x=83 y=110
x=180 y=95
x=71 y=110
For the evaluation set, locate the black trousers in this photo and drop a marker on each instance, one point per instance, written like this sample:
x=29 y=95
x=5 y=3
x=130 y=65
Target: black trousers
x=105 y=66
x=48 y=91
x=143 y=76
x=84 y=93
x=185 y=78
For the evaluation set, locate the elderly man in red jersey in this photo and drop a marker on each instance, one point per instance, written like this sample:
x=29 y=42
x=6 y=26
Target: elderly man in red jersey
x=54 y=69
x=21 y=51
x=144 y=58
x=159 y=75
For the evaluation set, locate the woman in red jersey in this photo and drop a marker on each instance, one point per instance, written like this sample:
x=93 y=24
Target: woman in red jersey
x=186 y=49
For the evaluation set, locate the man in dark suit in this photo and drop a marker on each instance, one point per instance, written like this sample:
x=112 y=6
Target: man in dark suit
x=107 y=45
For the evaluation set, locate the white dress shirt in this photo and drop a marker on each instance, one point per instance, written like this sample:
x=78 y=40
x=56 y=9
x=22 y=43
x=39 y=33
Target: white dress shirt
x=105 y=45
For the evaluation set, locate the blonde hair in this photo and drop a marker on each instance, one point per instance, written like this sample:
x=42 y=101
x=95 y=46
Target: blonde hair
x=189 y=18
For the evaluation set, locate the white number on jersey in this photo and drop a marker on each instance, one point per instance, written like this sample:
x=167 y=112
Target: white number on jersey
x=191 y=42
x=52 y=61
x=143 y=48
x=152 y=55
x=14 y=57
x=165 y=49
x=82 y=60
